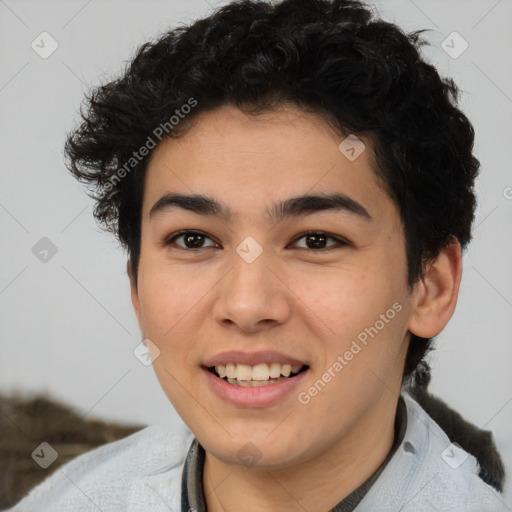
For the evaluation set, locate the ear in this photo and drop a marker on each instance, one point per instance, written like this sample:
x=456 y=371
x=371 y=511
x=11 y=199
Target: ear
x=435 y=295
x=134 y=292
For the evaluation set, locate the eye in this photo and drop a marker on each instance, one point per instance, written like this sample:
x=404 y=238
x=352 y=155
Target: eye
x=318 y=240
x=191 y=240
x=195 y=240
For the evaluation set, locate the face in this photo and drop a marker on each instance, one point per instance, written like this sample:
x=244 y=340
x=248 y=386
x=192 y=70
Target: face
x=320 y=289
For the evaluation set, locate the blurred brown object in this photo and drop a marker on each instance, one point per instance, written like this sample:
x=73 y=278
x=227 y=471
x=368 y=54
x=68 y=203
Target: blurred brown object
x=26 y=422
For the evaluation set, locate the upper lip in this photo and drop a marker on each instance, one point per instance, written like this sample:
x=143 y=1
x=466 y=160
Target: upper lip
x=252 y=358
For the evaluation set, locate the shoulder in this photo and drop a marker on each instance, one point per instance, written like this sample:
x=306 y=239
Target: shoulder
x=117 y=476
x=429 y=473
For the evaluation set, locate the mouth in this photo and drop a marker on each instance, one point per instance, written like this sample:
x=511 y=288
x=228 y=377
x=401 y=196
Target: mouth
x=263 y=374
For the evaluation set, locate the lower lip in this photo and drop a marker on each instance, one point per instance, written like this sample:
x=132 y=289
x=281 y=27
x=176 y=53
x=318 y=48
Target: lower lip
x=258 y=396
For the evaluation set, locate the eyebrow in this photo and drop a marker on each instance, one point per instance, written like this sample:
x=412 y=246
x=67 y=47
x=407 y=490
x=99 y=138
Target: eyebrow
x=292 y=207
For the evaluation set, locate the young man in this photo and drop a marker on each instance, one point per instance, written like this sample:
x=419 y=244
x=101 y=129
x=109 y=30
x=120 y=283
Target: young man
x=294 y=186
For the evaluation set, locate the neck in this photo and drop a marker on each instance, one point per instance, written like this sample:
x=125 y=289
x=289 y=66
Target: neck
x=315 y=485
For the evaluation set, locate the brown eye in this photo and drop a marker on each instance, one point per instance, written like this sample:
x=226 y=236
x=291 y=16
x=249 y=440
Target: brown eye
x=191 y=240
x=318 y=240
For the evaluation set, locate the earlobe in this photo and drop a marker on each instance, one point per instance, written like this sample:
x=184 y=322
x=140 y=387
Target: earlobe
x=437 y=291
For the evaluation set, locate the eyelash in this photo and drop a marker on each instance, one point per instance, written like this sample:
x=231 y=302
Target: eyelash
x=340 y=241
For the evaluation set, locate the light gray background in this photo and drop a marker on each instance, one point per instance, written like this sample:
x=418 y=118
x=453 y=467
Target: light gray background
x=67 y=328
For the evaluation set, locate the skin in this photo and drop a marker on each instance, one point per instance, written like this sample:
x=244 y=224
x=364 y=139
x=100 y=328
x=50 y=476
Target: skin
x=306 y=302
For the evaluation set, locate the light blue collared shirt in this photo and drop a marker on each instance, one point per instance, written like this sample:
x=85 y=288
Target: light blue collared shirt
x=144 y=472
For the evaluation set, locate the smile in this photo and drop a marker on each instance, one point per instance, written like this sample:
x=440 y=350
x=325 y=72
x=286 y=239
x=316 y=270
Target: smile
x=261 y=374
x=254 y=393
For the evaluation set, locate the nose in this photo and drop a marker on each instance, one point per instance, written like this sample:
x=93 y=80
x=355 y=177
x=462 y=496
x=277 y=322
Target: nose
x=251 y=296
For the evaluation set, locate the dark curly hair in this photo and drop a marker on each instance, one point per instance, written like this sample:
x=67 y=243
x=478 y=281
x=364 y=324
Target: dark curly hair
x=330 y=57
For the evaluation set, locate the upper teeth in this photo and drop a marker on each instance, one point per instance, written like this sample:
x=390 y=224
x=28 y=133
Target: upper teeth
x=261 y=371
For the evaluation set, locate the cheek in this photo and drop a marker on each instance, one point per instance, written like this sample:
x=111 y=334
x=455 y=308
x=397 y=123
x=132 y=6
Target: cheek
x=344 y=299
x=367 y=316
x=166 y=297
x=357 y=308
x=167 y=305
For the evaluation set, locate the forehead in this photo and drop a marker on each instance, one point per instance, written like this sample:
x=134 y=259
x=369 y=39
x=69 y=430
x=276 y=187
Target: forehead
x=249 y=161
